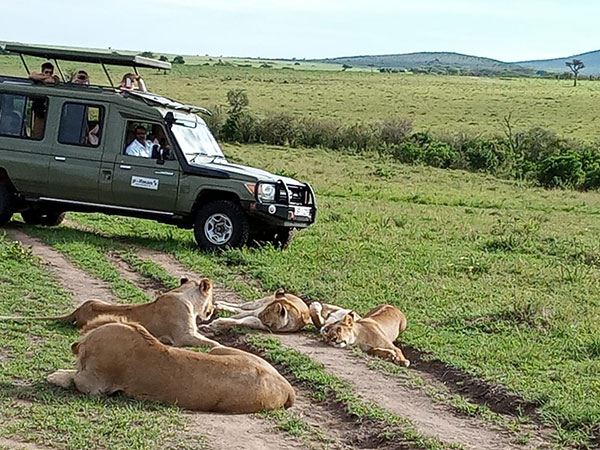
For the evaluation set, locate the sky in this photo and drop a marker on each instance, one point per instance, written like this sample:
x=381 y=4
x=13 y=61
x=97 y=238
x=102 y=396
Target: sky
x=508 y=30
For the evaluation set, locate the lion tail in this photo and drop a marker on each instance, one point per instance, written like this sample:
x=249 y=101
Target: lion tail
x=66 y=318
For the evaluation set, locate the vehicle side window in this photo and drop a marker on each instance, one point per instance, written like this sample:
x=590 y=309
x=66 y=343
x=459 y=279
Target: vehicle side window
x=81 y=124
x=145 y=140
x=23 y=116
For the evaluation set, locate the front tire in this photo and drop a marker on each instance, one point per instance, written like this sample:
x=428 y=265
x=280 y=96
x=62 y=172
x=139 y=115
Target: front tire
x=45 y=218
x=7 y=204
x=280 y=237
x=221 y=224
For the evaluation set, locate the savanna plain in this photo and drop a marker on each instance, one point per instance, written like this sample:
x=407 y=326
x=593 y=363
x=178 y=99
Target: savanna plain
x=499 y=279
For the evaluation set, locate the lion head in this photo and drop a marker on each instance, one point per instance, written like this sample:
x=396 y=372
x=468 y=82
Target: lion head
x=200 y=293
x=275 y=315
x=340 y=334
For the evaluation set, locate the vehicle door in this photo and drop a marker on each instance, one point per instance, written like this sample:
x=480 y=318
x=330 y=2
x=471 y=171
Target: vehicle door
x=74 y=167
x=146 y=183
x=25 y=144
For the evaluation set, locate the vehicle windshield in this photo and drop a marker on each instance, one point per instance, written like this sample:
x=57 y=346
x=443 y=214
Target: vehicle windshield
x=196 y=141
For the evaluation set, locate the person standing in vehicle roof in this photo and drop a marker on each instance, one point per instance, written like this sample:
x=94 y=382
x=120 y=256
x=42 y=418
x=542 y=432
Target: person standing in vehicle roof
x=140 y=146
x=46 y=76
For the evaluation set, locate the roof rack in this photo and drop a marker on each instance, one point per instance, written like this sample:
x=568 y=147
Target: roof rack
x=157 y=100
x=87 y=56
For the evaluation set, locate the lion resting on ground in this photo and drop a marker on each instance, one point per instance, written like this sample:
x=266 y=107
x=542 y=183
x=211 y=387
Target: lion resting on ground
x=375 y=333
x=171 y=317
x=117 y=355
x=280 y=312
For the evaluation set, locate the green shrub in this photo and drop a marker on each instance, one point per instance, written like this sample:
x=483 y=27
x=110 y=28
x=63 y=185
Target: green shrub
x=406 y=152
x=439 y=154
x=395 y=131
x=277 y=129
x=564 y=171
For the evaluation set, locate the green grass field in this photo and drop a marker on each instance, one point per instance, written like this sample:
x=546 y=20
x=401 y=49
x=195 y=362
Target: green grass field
x=497 y=279
x=444 y=104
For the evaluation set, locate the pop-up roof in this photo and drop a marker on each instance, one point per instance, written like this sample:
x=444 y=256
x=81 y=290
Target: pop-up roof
x=87 y=56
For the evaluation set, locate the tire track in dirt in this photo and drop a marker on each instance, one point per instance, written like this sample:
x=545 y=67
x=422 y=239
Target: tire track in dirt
x=430 y=417
x=72 y=279
x=329 y=421
x=9 y=443
x=224 y=431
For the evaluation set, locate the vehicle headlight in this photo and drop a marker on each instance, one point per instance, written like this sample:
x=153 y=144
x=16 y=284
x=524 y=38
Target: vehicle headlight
x=266 y=192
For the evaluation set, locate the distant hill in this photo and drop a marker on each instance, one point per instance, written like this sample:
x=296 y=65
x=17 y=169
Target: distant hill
x=443 y=62
x=590 y=59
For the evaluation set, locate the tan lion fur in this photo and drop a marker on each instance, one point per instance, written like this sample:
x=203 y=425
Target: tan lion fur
x=171 y=317
x=280 y=312
x=375 y=333
x=116 y=355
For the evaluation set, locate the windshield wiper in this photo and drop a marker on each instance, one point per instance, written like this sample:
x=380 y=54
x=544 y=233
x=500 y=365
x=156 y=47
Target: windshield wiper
x=195 y=156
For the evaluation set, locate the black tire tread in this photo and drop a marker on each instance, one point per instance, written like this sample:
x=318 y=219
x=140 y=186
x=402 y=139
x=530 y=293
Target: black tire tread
x=235 y=213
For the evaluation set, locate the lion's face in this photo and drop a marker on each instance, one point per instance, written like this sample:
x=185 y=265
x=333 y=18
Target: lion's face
x=275 y=315
x=340 y=334
x=200 y=293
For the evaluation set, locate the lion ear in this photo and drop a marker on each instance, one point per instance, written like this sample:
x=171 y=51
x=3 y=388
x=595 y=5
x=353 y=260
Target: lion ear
x=280 y=293
x=354 y=315
x=75 y=348
x=348 y=320
x=183 y=281
x=205 y=285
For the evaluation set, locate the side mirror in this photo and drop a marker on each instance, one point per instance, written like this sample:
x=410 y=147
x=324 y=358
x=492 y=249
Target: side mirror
x=157 y=153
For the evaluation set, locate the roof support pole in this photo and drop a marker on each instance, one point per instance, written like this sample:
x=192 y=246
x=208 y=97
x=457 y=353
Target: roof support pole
x=24 y=63
x=107 y=74
x=62 y=75
x=135 y=70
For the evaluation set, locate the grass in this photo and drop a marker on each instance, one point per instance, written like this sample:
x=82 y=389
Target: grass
x=444 y=104
x=34 y=411
x=497 y=279
x=322 y=384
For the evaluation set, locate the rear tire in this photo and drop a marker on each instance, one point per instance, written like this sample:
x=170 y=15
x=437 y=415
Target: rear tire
x=7 y=203
x=221 y=224
x=45 y=218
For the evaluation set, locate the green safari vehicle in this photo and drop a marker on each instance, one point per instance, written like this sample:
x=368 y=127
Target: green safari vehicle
x=66 y=146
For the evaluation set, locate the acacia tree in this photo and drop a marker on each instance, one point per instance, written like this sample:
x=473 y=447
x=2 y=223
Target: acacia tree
x=576 y=65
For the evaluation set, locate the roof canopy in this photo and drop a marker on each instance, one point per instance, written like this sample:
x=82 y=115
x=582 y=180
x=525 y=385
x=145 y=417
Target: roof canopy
x=87 y=56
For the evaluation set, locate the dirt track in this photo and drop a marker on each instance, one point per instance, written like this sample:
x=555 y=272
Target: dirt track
x=430 y=417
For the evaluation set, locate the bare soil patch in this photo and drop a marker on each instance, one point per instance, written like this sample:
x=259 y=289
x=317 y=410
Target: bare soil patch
x=10 y=443
x=76 y=281
x=224 y=431
x=430 y=417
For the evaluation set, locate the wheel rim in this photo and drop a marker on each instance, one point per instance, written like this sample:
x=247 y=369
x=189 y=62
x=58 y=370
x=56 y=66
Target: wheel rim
x=218 y=229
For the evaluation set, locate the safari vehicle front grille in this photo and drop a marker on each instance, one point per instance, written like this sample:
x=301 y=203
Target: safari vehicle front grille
x=298 y=195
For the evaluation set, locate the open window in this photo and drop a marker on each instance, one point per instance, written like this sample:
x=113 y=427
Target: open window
x=81 y=124
x=147 y=140
x=23 y=116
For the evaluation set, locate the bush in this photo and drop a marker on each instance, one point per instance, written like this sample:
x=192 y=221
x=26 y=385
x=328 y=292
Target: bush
x=215 y=121
x=439 y=154
x=277 y=129
x=178 y=60
x=311 y=132
x=395 y=131
x=564 y=171
x=406 y=152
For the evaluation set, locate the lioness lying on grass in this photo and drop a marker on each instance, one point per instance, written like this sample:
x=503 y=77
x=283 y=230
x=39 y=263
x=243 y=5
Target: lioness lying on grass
x=280 y=312
x=171 y=317
x=375 y=333
x=116 y=355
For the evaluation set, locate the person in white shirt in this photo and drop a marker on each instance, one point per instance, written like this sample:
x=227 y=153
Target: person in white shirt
x=140 y=146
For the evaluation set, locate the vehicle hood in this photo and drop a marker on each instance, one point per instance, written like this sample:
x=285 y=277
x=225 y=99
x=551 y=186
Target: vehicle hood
x=247 y=173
